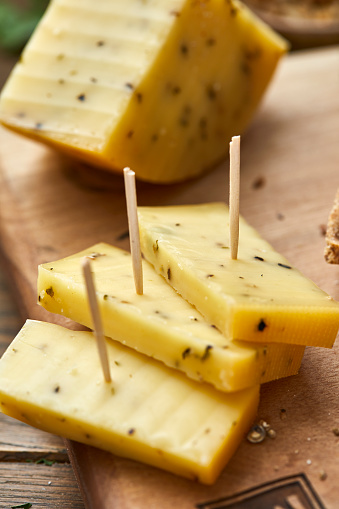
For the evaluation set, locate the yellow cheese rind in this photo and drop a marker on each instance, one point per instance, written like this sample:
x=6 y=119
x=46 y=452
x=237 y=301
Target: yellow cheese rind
x=159 y=323
x=51 y=378
x=259 y=297
x=158 y=86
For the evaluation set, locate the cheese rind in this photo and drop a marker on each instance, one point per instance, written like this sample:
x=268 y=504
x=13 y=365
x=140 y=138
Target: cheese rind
x=258 y=297
x=51 y=378
x=159 y=323
x=158 y=86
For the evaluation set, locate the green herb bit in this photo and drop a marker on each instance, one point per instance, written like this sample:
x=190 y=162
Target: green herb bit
x=22 y=506
x=45 y=461
x=17 y=23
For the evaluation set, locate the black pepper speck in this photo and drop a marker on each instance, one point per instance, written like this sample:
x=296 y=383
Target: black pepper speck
x=206 y=353
x=185 y=353
x=262 y=325
x=284 y=266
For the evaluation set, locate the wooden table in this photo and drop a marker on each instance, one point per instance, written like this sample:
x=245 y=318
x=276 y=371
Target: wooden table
x=34 y=466
x=23 y=477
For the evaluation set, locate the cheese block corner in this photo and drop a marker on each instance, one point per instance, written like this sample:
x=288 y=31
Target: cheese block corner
x=158 y=86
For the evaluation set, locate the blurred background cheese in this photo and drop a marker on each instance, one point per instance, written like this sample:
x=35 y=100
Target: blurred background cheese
x=160 y=86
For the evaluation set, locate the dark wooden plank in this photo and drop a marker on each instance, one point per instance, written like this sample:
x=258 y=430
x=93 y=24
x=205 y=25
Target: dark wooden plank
x=22 y=479
x=10 y=320
x=45 y=487
x=20 y=442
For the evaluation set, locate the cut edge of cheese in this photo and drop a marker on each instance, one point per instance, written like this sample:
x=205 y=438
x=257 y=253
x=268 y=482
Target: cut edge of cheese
x=259 y=297
x=51 y=378
x=159 y=323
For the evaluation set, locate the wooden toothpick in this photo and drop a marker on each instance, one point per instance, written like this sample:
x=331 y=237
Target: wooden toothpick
x=96 y=318
x=234 y=195
x=133 y=226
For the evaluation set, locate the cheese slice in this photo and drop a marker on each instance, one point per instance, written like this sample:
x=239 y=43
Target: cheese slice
x=258 y=297
x=51 y=378
x=159 y=323
x=158 y=86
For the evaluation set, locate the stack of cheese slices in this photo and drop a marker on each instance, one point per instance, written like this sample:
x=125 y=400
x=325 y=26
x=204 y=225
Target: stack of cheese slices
x=161 y=87
x=187 y=357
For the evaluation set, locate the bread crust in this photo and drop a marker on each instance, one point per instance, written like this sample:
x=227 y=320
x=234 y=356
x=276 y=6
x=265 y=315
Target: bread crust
x=332 y=234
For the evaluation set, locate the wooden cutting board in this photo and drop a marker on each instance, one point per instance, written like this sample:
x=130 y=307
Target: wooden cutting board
x=51 y=207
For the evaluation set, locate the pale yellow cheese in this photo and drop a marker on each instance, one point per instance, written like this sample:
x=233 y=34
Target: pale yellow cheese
x=258 y=297
x=51 y=378
x=159 y=86
x=159 y=323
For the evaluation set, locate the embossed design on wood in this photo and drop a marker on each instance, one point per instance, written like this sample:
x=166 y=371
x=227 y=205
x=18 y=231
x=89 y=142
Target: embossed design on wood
x=293 y=492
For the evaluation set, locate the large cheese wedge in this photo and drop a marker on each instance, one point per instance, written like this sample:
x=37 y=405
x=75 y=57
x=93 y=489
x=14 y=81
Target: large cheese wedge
x=159 y=323
x=159 y=86
x=258 y=297
x=51 y=378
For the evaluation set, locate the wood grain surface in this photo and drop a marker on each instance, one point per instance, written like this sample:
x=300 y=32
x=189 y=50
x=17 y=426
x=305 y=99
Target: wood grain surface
x=51 y=207
x=34 y=465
